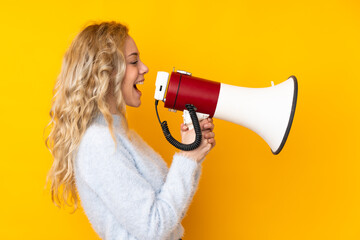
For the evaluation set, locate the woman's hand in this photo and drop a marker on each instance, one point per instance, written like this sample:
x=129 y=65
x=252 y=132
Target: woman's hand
x=207 y=142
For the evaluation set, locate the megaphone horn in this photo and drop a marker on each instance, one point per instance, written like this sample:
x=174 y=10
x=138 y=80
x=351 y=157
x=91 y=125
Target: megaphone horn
x=269 y=111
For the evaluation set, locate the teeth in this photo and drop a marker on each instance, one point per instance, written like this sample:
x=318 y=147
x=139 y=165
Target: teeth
x=140 y=83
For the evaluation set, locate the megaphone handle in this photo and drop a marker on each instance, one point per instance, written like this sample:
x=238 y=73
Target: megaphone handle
x=198 y=135
x=188 y=121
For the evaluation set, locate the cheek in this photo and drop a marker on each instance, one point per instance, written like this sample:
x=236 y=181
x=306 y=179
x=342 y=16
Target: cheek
x=131 y=73
x=129 y=80
x=126 y=89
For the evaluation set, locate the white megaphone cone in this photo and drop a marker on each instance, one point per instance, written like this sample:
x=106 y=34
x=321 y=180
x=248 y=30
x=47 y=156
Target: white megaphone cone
x=269 y=112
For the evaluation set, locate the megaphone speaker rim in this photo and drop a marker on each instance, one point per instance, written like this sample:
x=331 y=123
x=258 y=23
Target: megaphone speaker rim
x=293 y=107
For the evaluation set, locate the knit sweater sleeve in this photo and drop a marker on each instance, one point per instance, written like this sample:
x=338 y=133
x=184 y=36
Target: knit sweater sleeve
x=113 y=176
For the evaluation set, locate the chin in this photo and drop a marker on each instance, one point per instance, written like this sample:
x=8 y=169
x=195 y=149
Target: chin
x=135 y=104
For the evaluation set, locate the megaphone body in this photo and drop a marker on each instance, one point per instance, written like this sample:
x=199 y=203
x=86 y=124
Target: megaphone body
x=268 y=111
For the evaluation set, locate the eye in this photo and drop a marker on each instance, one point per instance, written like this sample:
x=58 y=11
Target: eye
x=134 y=63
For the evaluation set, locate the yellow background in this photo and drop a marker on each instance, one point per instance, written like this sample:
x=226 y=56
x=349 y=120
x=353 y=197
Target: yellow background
x=309 y=191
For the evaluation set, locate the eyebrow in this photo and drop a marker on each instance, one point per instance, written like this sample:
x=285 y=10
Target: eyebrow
x=134 y=53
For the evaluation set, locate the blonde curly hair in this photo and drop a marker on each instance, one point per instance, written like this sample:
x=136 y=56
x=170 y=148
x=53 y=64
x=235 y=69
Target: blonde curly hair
x=93 y=67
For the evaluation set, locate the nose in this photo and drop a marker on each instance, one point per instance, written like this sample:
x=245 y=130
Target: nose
x=144 y=69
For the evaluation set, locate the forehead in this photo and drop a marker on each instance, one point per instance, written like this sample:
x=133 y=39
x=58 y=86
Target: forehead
x=130 y=46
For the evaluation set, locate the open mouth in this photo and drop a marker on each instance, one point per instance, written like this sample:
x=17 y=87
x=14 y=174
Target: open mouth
x=138 y=83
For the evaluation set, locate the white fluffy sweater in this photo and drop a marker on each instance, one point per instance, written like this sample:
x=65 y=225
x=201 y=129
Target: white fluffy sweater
x=130 y=193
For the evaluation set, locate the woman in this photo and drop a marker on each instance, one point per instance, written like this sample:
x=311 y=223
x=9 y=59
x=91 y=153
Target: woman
x=126 y=189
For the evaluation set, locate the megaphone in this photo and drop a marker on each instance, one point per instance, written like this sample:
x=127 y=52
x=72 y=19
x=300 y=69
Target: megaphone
x=268 y=111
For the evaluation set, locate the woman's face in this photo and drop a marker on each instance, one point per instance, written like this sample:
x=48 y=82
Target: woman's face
x=135 y=71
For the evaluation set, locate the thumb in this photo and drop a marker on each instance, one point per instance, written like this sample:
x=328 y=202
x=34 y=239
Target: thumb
x=184 y=127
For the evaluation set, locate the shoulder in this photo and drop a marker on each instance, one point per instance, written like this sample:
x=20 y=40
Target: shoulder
x=97 y=150
x=96 y=136
x=96 y=143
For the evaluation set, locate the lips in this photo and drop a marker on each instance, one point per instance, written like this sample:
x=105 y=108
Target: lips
x=140 y=82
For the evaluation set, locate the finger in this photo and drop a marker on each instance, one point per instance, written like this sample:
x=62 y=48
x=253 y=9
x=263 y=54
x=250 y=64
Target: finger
x=209 y=126
x=209 y=135
x=212 y=141
x=204 y=132
x=202 y=123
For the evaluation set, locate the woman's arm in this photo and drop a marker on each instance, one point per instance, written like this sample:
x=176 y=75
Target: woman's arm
x=114 y=177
